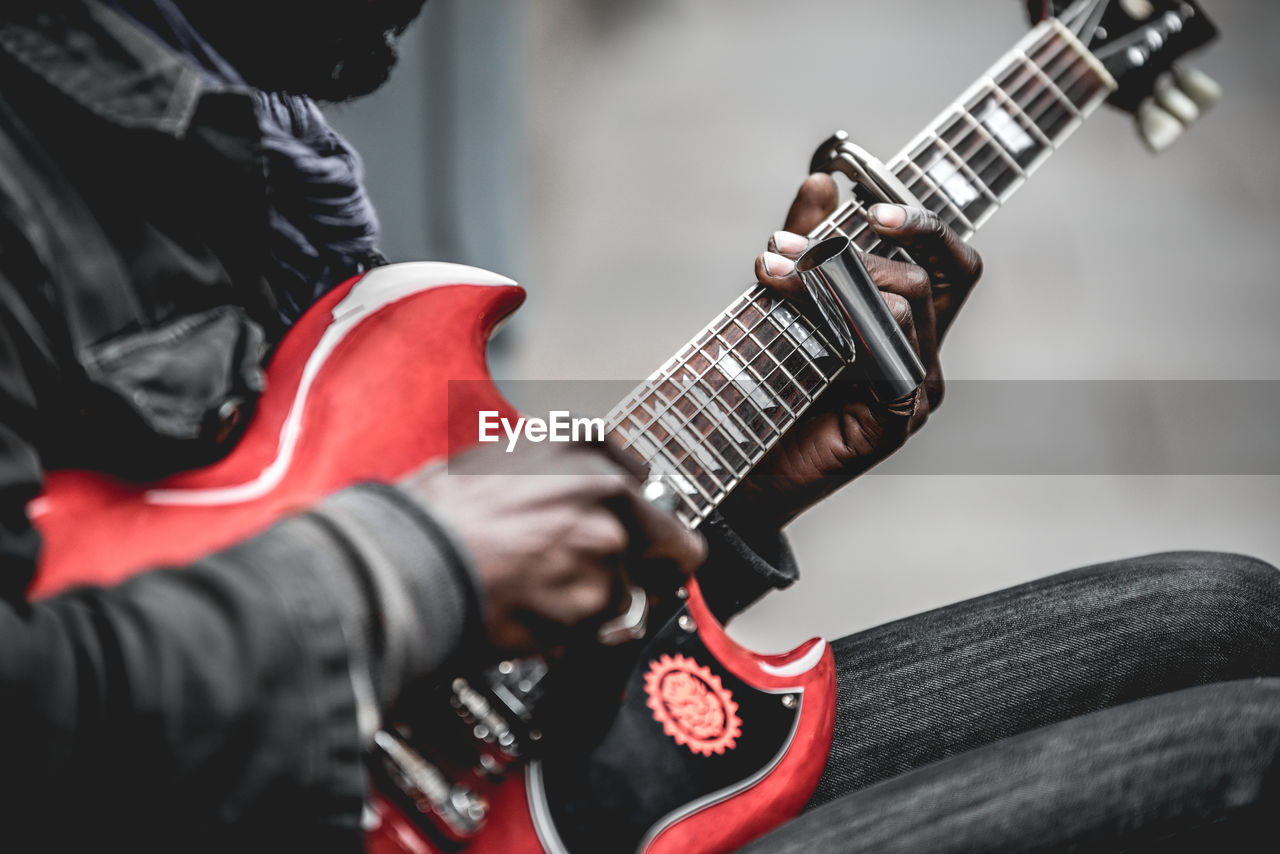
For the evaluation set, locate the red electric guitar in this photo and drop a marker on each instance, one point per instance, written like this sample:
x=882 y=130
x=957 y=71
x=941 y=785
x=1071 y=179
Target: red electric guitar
x=713 y=745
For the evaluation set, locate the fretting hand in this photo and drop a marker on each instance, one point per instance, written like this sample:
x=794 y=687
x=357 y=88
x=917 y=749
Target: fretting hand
x=847 y=431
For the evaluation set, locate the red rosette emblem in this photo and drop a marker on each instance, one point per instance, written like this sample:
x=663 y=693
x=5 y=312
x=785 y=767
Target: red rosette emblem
x=692 y=706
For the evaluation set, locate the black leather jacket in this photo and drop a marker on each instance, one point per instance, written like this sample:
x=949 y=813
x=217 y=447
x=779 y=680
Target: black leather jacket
x=216 y=705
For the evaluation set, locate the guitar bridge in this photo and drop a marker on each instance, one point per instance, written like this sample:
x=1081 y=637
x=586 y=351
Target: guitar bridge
x=453 y=810
x=440 y=778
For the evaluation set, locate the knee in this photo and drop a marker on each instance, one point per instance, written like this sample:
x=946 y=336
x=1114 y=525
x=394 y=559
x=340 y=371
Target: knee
x=1232 y=582
x=1220 y=603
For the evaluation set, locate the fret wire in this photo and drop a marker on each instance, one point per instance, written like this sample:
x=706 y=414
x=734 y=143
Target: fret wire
x=751 y=333
x=990 y=84
x=765 y=442
x=1020 y=67
x=860 y=227
x=963 y=162
x=965 y=147
x=760 y=383
x=843 y=221
x=697 y=378
x=1032 y=85
x=1051 y=39
x=940 y=193
x=782 y=332
x=998 y=92
x=1001 y=151
x=712 y=364
x=1052 y=87
x=744 y=303
x=797 y=319
x=616 y=417
x=713 y=397
x=718 y=422
x=964 y=116
x=843 y=211
x=768 y=315
x=960 y=162
x=730 y=417
x=790 y=377
x=924 y=188
x=673 y=434
x=667 y=369
x=795 y=349
x=792 y=381
x=687 y=476
x=1015 y=64
x=1045 y=109
x=647 y=462
x=975 y=132
x=922 y=143
x=661 y=448
x=699 y=409
x=735 y=471
x=1065 y=75
x=1034 y=120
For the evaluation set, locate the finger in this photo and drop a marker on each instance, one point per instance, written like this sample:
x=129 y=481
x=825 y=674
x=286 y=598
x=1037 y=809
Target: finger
x=871 y=430
x=788 y=244
x=911 y=282
x=931 y=241
x=778 y=274
x=598 y=533
x=661 y=536
x=589 y=598
x=954 y=266
x=900 y=308
x=814 y=202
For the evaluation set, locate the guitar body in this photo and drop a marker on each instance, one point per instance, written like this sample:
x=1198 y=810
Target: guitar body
x=355 y=392
x=714 y=744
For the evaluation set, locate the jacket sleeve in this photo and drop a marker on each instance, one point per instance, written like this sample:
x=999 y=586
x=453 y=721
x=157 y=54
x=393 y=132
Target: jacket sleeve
x=739 y=571
x=228 y=698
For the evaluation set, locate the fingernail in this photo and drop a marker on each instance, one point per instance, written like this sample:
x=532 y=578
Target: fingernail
x=777 y=266
x=890 y=216
x=789 y=243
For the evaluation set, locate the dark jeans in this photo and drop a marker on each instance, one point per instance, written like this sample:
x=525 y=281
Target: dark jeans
x=1118 y=707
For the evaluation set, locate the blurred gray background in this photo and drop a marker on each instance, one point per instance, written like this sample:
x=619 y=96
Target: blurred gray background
x=625 y=161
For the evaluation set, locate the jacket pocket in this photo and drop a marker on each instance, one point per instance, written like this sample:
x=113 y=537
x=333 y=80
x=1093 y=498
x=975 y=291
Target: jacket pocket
x=174 y=396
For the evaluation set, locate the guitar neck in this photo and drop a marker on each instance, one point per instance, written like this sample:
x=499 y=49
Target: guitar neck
x=713 y=410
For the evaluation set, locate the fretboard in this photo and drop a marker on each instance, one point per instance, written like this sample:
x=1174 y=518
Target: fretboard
x=706 y=417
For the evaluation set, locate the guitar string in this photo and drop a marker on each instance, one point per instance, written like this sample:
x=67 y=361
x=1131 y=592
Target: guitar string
x=1024 y=73
x=840 y=222
x=694 y=378
x=1031 y=56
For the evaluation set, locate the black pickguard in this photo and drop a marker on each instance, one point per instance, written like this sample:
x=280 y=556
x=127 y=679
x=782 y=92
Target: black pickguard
x=606 y=801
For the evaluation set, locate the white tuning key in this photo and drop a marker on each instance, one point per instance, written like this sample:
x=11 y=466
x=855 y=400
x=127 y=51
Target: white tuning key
x=1175 y=101
x=1158 y=127
x=1198 y=86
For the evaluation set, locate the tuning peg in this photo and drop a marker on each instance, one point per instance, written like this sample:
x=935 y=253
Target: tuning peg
x=1198 y=86
x=1158 y=128
x=1175 y=101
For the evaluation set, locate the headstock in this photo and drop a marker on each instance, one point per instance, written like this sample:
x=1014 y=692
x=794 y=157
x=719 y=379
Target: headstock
x=1139 y=41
